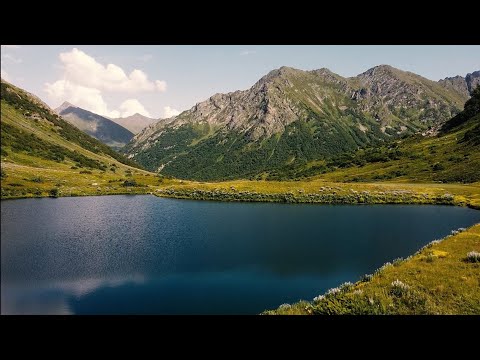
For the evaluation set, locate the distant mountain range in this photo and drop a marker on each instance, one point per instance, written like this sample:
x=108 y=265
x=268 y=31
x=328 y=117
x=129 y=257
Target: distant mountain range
x=32 y=133
x=292 y=117
x=99 y=127
x=135 y=123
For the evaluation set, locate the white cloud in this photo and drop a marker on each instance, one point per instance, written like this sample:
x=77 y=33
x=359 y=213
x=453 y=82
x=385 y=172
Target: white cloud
x=4 y=75
x=161 y=85
x=131 y=107
x=168 y=112
x=248 y=52
x=84 y=80
x=11 y=46
x=84 y=70
x=87 y=98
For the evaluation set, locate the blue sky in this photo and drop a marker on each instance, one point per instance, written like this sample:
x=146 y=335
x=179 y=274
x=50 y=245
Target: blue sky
x=159 y=81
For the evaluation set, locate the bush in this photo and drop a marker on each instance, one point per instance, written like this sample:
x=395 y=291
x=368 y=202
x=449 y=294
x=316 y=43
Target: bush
x=438 y=167
x=85 y=172
x=399 y=288
x=37 y=179
x=54 y=192
x=366 y=278
x=3 y=174
x=333 y=291
x=397 y=261
x=130 y=183
x=284 y=306
x=473 y=257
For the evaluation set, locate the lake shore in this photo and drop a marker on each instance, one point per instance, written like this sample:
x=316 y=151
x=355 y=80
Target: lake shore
x=34 y=182
x=440 y=278
x=333 y=193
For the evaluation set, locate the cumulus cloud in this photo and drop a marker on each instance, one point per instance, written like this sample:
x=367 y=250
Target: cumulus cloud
x=82 y=69
x=84 y=81
x=161 y=85
x=4 y=75
x=85 y=97
x=133 y=106
x=168 y=112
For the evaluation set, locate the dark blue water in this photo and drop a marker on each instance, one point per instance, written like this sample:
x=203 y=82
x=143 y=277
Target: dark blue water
x=148 y=255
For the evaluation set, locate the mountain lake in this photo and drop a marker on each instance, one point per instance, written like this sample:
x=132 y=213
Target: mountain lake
x=150 y=255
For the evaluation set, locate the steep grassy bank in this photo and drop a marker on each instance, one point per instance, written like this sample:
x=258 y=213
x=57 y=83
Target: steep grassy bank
x=439 y=279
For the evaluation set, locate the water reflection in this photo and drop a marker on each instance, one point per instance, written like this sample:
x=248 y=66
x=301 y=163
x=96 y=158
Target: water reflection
x=55 y=298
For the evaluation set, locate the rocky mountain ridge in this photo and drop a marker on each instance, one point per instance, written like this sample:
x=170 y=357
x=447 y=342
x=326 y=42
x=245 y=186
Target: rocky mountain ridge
x=293 y=115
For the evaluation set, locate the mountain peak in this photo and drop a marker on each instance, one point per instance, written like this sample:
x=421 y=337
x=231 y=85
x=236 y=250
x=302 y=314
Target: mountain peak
x=64 y=107
x=380 y=70
x=277 y=73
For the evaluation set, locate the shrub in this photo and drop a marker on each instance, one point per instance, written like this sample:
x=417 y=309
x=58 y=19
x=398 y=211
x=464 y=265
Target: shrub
x=129 y=183
x=345 y=305
x=346 y=286
x=54 y=192
x=3 y=174
x=85 y=172
x=430 y=257
x=366 y=278
x=473 y=257
x=318 y=298
x=383 y=267
x=37 y=179
x=431 y=243
x=284 y=306
x=15 y=184
x=399 y=288
x=333 y=291
x=397 y=261
x=438 y=167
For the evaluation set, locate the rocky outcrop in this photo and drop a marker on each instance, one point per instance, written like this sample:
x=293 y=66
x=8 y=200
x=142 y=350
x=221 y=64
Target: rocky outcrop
x=472 y=80
x=463 y=85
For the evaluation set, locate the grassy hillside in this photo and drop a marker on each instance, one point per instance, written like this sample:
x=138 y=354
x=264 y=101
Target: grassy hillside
x=37 y=145
x=439 y=279
x=20 y=109
x=451 y=156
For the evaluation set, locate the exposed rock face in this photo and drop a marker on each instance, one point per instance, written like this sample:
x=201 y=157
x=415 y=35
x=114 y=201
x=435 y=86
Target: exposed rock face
x=463 y=85
x=472 y=80
x=456 y=83
x=292 y=115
